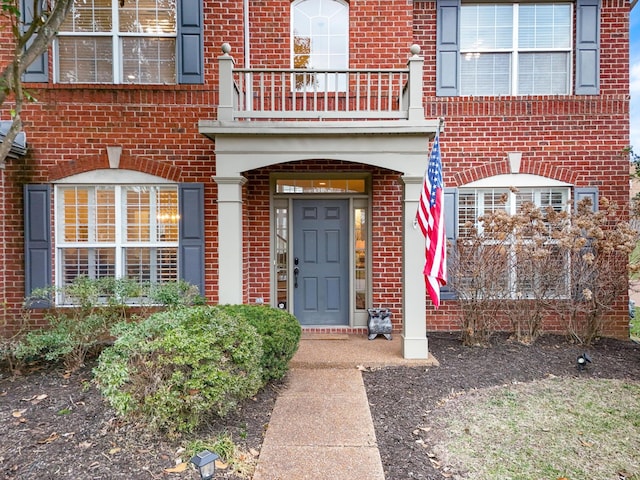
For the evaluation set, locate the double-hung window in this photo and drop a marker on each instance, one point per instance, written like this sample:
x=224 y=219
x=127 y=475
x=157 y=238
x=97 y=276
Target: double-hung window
x=122 y=231
x=515 y=49
x=104 y=42
x=515 y=279
x=525 y=48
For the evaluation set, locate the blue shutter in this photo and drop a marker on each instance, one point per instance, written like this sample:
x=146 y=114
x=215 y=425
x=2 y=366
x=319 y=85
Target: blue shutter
x=38 y=71
x=447 y=48
x=190 y=45
x=581 y=193
x=191 y=248
x=37 y=241
x=451 y=226
x=588 y=47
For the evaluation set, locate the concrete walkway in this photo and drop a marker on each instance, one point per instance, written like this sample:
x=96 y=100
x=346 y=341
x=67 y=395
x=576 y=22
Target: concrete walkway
x=321 y=426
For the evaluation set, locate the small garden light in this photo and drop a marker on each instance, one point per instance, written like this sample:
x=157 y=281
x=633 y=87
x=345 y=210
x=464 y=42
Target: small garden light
x=205 y=462
x=583 y=360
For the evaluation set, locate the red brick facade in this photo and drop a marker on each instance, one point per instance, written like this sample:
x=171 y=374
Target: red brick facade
x=574 y=139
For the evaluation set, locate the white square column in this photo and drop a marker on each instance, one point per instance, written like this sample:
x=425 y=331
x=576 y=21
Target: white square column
x=414 y=326
x=230 y=242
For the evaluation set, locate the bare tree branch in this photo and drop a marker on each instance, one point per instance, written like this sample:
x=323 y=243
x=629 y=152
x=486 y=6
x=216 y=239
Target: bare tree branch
x=30 y=43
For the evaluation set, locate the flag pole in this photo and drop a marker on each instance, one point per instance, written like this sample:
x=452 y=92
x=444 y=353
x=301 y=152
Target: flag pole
x=430 y=218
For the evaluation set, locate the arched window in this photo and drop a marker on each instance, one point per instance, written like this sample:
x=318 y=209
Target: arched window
x=320 y=39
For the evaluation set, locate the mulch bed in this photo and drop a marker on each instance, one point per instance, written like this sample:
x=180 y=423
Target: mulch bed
x=55 y=425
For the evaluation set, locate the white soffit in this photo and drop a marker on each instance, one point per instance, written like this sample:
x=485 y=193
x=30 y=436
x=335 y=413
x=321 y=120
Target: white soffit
x=515 y=180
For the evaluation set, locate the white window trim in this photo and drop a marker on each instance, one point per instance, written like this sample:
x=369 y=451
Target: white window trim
x=116 y=46
x=514 y=51
x=119 y=244
x=497 y=183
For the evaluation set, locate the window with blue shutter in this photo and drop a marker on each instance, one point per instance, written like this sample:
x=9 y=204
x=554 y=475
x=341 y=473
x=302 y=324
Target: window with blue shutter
x=37 y=241
x=190 y=42
x=451 y=230
x=494 y=49
x=153 y=42
x=447 y=47
x=38 y=71
x=588 y=47
x=191 y=249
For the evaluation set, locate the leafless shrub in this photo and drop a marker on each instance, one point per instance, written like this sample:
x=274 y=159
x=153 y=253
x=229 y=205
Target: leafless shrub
x=538 y=262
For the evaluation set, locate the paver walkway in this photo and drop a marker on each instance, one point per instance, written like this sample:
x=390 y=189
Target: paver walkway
x=321 y=426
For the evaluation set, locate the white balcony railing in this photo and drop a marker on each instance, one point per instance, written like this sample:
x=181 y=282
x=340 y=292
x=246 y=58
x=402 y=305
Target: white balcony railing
x=298 y=94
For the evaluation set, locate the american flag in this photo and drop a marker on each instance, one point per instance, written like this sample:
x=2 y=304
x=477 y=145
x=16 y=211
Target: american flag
x=430 y=217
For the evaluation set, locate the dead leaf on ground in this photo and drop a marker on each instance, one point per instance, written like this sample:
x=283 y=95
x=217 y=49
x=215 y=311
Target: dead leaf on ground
x=254 y=452
x=51 y=438
x=181 y=467
x=113 y=451
x=221 y=465
x=35 y=399
x=18 y=413
x=586 y=444
x=84 y=445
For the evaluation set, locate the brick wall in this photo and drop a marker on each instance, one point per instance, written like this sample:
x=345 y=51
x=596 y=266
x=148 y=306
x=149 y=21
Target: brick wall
x=573 y=139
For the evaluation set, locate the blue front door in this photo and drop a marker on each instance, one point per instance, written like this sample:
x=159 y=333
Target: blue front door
x=321 y=262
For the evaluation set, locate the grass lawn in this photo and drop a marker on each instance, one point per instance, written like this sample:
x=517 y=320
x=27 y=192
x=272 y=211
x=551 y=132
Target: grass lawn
x=557 y=428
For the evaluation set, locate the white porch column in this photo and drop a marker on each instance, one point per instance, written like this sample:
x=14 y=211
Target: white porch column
x=414 y=327
x=230 y=259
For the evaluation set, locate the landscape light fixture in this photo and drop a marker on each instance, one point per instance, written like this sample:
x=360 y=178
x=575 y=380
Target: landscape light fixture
x=583 y=360
x=205 y=462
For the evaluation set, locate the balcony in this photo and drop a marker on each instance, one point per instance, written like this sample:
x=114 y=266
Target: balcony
x=267 y=116
x=251 y=94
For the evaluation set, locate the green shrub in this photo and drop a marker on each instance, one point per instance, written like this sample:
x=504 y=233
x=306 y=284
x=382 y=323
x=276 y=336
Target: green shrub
x=67 y=339
x=179 y=366
x=175 y=294
x=90 y=308
x=280 y=333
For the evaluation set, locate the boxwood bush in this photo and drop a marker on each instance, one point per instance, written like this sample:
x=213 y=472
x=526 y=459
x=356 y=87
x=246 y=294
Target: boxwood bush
x=280 y=333
x=177 y=367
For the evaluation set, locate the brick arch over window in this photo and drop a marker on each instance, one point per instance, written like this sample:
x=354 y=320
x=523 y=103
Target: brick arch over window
x=127 y=162
x=533 y=167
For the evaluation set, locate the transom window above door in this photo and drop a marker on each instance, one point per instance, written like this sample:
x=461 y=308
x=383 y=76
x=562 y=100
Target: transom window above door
x=321 y=185
x=515 y=49
x=104 y=42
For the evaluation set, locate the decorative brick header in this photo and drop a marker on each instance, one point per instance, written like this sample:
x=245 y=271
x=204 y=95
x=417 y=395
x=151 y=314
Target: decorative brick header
x=127 y=162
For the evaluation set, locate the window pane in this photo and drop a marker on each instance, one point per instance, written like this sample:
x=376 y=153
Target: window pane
x=543 y=73
x=89 y=16
x=105 y=208
x=282 y=257
x=485 y=74
x=85 y=60
x=138 y=208
x=486 y=27
x=320 y=185
x=149 y=60
x=155 y=265
x=75 y=213
x=167 y=215
x=89 y=262
x=148 y=16
x=360 y=257
x=544 y=26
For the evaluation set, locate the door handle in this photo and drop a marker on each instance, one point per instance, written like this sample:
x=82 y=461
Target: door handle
x=296 y=271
